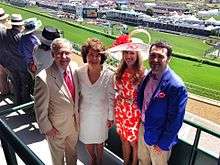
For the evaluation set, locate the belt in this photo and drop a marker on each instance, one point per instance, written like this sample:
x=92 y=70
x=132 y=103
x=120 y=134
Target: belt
x=131 y=101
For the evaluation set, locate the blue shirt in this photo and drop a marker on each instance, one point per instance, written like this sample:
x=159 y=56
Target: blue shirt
x=26 y=47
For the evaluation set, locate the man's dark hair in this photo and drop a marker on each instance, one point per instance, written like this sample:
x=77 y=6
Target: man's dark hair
x=162 y=44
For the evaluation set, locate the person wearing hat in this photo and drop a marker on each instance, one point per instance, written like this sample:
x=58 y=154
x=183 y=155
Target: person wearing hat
x=4 y=24
x=15 y=62
x=4 y=20
x=42 y=56
x=29 y=42
x=162 y=99
x=128 y=76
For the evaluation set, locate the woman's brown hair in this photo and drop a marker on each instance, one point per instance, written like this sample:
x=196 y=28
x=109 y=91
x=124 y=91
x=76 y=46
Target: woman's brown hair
x=138 y=70
x=94 y=44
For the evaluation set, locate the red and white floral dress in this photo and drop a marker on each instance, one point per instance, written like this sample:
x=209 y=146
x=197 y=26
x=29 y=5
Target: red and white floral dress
x=127 y=113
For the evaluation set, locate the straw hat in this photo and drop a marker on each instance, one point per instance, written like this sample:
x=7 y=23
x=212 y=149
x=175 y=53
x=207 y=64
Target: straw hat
x=16 y=19
x=129 y=43
x=31 y=25
x=3 y=15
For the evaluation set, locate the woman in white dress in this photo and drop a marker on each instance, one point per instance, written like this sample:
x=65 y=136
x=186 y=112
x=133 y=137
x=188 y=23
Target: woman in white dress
x=96 y=100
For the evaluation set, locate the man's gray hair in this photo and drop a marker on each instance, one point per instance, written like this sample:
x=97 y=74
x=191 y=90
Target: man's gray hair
x=60 y=42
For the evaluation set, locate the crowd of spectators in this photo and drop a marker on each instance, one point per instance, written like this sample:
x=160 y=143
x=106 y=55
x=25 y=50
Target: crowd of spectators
x=19 y=53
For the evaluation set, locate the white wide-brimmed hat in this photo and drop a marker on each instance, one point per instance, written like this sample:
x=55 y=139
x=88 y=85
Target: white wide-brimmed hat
x=16 y=19
x=31 y=25
x=3 y=15
x=129 y=43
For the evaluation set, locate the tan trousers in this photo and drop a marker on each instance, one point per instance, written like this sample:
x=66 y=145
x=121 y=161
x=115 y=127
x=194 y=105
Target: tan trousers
x=146 y=154
x=64 y=147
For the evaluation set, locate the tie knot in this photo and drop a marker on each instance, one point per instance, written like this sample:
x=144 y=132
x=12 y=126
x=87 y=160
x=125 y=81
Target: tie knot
x=65 y=73
x=154 y=76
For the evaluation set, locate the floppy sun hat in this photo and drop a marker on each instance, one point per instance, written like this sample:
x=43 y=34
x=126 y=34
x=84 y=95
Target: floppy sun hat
x=129 y=43
x=31 y=25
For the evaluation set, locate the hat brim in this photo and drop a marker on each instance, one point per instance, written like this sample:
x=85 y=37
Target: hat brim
x=116 y=52
x=118 y=55
x=42 y=39
x=4 y=17
x=45 y=41
x=38 y=25
x=17 y=23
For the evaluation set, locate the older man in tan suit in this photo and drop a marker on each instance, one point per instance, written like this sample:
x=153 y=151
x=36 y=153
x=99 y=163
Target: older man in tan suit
x=56 y=103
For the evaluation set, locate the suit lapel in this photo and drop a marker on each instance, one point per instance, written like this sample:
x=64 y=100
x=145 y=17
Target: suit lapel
x=55 y=73
x=162 y=83
x=75 y=81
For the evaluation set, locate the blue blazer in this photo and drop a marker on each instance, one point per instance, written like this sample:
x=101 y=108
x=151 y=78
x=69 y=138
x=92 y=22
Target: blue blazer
x=165 y=113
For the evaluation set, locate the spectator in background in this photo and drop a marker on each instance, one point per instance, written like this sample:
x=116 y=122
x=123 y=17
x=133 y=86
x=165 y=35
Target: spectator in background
x=29 y=43
x=4 y=20
x=42 y=56
x=162 y=99
x=3 y=27
x=56 y=103
x=96 y=100
x=14 y=61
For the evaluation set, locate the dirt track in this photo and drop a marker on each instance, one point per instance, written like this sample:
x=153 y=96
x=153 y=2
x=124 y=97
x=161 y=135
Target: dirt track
x=204 y=110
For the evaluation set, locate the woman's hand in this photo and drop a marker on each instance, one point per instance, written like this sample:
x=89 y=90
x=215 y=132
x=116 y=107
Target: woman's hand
x=110 y=123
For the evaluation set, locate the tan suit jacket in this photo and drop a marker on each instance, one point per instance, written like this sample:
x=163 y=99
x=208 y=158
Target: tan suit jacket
x=54 y=105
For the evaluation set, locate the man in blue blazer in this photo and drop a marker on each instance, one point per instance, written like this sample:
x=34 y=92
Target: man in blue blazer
x=162 y=100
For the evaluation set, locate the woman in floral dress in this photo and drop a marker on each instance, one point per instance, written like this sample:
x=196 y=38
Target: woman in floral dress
x=127 y=114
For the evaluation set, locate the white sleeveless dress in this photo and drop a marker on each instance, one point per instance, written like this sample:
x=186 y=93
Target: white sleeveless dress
x=96 y=105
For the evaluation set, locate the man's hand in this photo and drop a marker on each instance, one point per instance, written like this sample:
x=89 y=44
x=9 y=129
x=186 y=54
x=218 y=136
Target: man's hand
x=157 y=149
x=110 y=123
x=52 y=133
x=32 y=67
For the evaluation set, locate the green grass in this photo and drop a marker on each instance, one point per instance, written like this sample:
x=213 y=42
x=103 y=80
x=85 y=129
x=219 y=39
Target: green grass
x=192 y=72
x=180 y=44
x=217 y=17
x=202 y=80
x=74 y=34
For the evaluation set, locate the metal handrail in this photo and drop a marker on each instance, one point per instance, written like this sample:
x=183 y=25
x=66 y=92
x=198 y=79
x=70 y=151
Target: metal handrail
x=11 y=144
x=31 y=104
x=211 y=132
x=26 y=154
x=14 y=109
